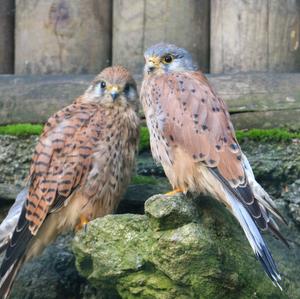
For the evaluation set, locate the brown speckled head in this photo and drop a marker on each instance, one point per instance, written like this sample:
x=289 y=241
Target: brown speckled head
x=114 y=85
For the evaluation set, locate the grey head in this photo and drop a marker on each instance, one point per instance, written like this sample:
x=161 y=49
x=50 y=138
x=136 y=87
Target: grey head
x=166 y=58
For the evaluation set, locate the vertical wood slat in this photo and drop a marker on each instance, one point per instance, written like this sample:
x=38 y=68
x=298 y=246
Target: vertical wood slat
x=7 y=36
x=256 y=35
x=62 y=36
x=140 y=24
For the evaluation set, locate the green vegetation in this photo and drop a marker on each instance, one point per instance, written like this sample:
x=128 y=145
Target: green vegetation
x=141 y=180
x=144 y=139
x=264 y=135
x=253 y=134
x=21 y=129
x=267 y=135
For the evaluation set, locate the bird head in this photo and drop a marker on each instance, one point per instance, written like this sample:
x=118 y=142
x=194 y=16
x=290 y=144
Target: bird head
x=166 y=58
x=113 y=86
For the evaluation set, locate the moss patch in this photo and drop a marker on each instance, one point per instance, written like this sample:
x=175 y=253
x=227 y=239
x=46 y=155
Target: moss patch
x=267 y=135
x=144 y=139
x=276 y=135
x=202 y=254
x=142 y=180
x=21 y=129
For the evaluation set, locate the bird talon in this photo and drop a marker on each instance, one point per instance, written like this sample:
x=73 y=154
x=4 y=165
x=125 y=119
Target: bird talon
x=85 y=227
x=174 y=192
x=82 y=224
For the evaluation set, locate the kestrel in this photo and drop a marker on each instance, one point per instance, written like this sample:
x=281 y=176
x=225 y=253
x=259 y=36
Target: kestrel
x=81 y=167
x=191 y=135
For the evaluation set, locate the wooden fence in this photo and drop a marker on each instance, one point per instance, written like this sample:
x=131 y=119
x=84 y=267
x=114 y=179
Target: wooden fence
x=230 y=38
x=75 y=36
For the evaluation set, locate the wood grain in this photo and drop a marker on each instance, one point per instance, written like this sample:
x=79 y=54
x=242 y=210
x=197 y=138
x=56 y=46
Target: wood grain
x=140 y=24
x=57 y=36
x=256 y=35
x=7 y=36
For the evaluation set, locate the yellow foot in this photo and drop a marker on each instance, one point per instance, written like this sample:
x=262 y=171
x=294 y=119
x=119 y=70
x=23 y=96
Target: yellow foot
x=83 y=223
x=175 y=191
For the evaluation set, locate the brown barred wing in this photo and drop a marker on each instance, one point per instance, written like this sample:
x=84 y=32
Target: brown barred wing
x=61 y=160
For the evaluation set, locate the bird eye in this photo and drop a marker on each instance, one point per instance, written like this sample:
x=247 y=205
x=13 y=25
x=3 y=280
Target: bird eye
x=168 y=58
x=126 y=88
x=102 y=84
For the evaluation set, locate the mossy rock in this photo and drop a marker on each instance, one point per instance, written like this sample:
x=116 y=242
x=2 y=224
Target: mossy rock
x=181 y=248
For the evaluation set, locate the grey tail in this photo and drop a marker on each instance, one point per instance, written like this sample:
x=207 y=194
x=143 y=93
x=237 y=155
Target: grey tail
x=8 y=279
x=15 y=255
x=255 y=239
x=3 y=245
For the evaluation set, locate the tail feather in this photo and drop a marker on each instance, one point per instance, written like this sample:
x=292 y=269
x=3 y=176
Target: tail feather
x=255 y=239
x=15 y=254
x=260 y=194
x=3 y=244
x=275 y=231
x=7 y=280
x=9 y=224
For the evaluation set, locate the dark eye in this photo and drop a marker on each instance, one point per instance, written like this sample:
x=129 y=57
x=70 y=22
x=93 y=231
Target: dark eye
x=126 y=88
x=168 y=58
x=102 y=84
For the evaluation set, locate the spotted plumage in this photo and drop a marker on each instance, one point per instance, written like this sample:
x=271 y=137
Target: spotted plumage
x=193 y=138
x=81 y=166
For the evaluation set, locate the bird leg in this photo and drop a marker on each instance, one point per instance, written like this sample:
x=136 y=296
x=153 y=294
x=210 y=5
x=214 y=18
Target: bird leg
x=83 y=223
x=175 y=191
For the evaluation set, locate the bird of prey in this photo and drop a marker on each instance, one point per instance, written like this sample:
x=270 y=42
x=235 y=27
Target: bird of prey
x=192 y=136
x=81 y=167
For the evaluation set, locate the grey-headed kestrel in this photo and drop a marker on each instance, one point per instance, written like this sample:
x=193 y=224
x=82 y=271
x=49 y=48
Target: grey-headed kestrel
x=191 y=135
x=81 y=167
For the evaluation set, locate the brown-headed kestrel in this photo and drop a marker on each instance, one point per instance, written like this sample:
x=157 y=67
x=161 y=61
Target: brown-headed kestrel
x=81 y=167
x=191 y=135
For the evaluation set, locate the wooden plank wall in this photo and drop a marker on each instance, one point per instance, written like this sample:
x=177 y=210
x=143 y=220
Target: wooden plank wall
x=7 y=16
x=82 y=37
x=140 y=24
x=74 y=36
x=256 y=35
x=261 y=100
x=59 y=36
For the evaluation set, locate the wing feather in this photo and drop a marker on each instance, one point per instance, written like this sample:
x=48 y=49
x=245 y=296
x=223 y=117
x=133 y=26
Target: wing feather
x=61 y=160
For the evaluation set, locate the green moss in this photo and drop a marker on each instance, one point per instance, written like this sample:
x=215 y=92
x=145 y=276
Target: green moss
x=144 y=139
x=21 y=129
x=144 y=180
x=204 y=255
x=267 y=135
x=277 y=135
x=150 y=284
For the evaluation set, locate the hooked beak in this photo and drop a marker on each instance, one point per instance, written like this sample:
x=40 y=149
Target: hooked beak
x=152 y=64
x=114 y=95
x=114 y=92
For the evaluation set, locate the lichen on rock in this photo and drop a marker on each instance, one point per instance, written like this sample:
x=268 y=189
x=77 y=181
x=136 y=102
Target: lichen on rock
x=181 y=248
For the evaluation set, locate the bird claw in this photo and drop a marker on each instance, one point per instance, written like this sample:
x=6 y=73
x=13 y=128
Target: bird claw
x=82 y=224
x=174 y=192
